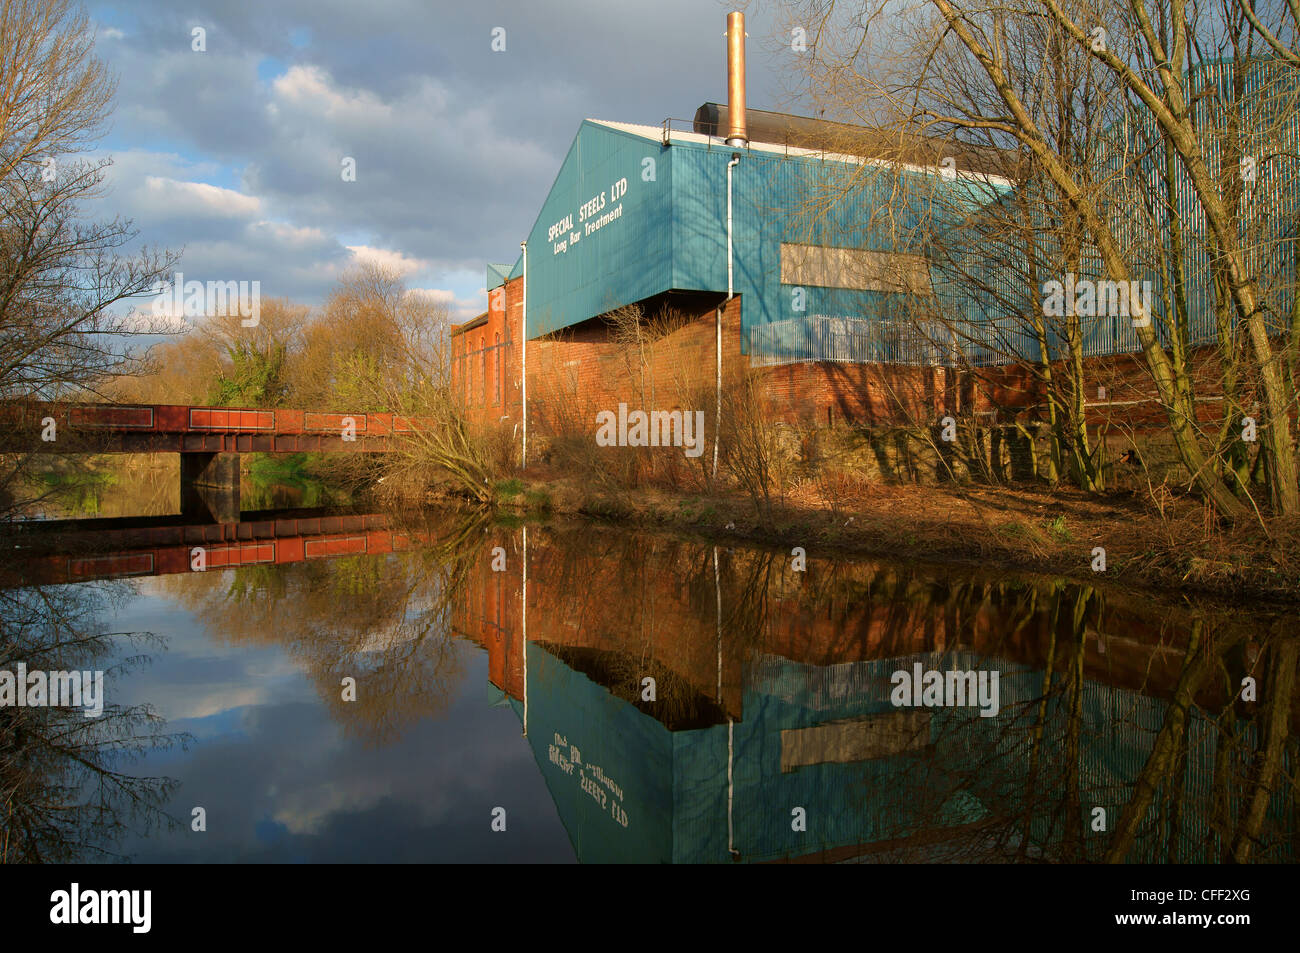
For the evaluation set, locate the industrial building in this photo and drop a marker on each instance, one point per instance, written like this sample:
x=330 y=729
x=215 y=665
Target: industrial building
x=758 y=236
x=790 y=247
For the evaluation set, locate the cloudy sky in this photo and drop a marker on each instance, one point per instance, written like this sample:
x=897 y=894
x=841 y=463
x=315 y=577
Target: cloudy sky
x=236 y=153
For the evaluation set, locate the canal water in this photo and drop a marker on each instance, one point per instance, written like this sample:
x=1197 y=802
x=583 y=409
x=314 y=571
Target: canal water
x=323 y=686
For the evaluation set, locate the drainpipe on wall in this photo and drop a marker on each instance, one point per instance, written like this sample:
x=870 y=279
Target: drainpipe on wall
x=523 y=339
x=717 y=421
x=731 y=791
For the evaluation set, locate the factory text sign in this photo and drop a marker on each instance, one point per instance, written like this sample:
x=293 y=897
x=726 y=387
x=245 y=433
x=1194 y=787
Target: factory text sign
x=590 y=777
x=592 y=217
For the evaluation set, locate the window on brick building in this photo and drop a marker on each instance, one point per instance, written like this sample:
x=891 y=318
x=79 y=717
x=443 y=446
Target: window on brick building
x=500 y=388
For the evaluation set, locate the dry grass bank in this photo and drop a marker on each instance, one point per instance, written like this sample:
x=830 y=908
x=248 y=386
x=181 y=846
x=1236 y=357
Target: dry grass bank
x=1179 y=547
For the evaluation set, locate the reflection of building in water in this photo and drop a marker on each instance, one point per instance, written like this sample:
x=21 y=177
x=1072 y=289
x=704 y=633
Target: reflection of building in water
x=772 y=706
x=628 y=788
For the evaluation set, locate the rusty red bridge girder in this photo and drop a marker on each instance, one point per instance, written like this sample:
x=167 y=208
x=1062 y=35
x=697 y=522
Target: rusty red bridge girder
x=208 y=439
x=179 y=428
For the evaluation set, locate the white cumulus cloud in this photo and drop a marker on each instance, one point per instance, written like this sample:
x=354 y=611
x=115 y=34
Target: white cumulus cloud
x=199 y=198
x=403 y=264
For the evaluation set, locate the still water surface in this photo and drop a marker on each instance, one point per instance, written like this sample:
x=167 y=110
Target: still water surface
x=627 y=697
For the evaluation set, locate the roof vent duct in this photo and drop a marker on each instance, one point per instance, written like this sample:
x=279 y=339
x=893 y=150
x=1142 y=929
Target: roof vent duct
x=736 y=133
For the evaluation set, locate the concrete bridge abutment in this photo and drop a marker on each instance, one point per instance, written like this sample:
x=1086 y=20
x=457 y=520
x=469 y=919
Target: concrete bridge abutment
x=210 y=486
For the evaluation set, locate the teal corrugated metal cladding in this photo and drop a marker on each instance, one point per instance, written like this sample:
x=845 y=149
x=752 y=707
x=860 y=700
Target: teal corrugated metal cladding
x=649 y=218
x=602 y=239
x=776 y=199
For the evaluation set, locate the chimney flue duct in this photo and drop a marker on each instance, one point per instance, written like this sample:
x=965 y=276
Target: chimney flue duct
x=736 y=132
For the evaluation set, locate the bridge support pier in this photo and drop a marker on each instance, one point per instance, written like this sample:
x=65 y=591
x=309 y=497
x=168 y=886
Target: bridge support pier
x=210 y=486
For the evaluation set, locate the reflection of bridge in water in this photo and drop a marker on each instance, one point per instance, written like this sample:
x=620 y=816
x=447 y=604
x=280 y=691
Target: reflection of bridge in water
x=67 y=551
x=771 y=708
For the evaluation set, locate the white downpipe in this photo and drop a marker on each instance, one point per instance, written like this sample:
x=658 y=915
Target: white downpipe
x=731 y=789
x=731 y=834
x=717 y=400
x=717 y=418
x=735 y=161
x=523 y=337
x=717 y=588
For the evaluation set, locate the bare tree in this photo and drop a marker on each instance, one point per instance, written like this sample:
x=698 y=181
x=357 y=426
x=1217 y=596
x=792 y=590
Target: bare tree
x=61 y=278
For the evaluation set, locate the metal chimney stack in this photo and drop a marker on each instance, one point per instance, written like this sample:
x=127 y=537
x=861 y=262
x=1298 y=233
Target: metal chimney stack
x=736 y=132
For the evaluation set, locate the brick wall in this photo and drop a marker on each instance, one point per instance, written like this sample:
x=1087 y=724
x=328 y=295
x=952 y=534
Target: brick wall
x=582 y=369
x=827 y=393
x=485 y=360
x=576 y=372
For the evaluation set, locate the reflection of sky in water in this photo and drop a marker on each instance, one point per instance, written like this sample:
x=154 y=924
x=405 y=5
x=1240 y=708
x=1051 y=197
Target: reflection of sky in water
x=281 y=782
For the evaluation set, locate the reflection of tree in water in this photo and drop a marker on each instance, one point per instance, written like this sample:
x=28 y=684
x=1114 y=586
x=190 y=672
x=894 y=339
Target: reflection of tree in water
x=280 y=481
x=79 y=485
x=65 y=793
x=1187 y=774
x=383 y=620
